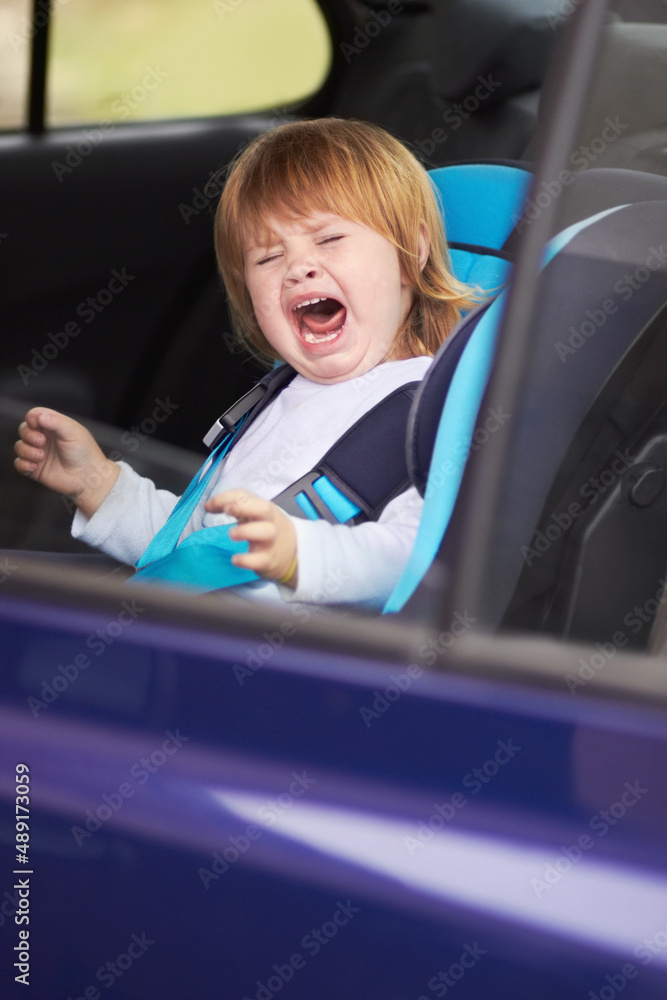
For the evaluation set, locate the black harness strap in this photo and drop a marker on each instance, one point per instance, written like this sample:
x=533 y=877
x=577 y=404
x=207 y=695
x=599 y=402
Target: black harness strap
x=253 y=402
x=368 y=464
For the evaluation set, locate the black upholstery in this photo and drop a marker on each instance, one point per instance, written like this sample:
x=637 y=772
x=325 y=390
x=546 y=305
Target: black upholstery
x=612 y=379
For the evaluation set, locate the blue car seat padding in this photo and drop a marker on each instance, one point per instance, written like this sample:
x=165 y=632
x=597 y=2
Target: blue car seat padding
x=460 y=373
x=481 y=203
x=451 y=446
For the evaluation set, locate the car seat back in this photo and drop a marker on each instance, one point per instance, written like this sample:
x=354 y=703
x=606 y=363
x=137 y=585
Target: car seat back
x=586 y=298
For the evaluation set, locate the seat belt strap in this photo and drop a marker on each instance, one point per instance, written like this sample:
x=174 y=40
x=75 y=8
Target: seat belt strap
x=363 y=471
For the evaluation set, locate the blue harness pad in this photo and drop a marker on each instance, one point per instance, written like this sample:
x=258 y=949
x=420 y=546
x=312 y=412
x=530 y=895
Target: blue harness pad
x=342 y=508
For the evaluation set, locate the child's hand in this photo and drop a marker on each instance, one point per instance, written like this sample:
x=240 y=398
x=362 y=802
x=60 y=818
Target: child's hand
x=60 y=453
x=267 y=528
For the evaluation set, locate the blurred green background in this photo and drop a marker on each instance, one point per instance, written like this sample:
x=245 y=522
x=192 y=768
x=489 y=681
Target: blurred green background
x=127 y=60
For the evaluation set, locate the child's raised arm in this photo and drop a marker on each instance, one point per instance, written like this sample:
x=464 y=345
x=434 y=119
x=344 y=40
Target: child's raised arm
x=62 y=454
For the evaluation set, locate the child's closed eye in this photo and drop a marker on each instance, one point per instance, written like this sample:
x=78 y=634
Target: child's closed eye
x=269 y=257
x=332 y=239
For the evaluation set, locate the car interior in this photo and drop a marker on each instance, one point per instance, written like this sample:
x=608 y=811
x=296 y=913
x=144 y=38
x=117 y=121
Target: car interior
x=538 y=440
x=141 y=238
x=155 y=220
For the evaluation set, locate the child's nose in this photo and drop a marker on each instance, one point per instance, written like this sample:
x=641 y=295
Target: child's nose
x=301 y=267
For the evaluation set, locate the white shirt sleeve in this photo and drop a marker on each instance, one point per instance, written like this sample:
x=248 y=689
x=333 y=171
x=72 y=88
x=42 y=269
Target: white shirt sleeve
x=360 y=564
x=128 y=517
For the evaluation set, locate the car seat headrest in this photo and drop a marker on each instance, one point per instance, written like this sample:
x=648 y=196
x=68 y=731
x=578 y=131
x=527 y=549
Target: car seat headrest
x=480 y=203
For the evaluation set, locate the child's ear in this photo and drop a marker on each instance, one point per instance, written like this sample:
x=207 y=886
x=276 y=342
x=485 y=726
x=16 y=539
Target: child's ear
x=424 y=245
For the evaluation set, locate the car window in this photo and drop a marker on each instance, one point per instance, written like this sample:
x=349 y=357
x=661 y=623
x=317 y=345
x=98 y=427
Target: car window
x=15 y=35
x=130 y=61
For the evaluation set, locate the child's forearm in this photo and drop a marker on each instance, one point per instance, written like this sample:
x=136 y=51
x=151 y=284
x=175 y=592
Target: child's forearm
x=95 y=487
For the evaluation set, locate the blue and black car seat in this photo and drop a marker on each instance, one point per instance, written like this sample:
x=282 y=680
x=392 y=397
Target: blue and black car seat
x=596 y=379
x=481 y=204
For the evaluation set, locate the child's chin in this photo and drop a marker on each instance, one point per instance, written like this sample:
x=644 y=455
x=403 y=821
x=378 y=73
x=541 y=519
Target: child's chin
x=332 y=369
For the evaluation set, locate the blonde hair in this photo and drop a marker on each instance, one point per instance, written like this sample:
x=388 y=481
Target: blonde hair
x=361 y=173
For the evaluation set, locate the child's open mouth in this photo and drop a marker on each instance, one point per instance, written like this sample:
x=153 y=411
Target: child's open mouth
x=320 y=319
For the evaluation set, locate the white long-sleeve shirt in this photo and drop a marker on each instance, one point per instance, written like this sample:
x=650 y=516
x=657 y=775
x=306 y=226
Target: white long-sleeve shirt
x=289 y=437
